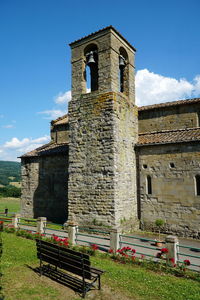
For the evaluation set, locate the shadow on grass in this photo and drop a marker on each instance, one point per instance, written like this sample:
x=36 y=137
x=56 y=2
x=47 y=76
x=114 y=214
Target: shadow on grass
x=61 y=277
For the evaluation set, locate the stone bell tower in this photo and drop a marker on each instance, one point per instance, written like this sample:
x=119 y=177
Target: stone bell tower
x=103 y=131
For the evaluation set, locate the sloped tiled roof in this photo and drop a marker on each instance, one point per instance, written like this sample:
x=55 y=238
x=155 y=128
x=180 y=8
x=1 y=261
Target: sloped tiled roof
x=48 y=149
x=99 y=31
x=169 y=136
x=60 y=121
x=166 y=104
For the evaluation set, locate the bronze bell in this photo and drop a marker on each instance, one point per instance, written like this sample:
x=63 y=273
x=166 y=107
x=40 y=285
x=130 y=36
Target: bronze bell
x=90 y=59
x=121 y=61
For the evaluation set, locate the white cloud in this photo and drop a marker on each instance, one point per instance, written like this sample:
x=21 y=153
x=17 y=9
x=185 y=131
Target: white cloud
x=26 y=142
x=197 y=86
x=8 y=126
x=63 y=98
x=153 y=88
x=15 y=147
x=53 y=113
x=61 y=101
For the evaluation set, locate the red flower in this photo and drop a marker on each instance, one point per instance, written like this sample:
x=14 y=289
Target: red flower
x=110 y=251
x=172 y=260
x=164 y=250
x=119 y=251
x=94 y=247
x=1 y=222
x=142 y=256
x=133 y=251
x=187 y=262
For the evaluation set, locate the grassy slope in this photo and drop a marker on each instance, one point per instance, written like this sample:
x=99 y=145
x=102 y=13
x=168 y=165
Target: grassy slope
x=13 y=204
x=119 y=282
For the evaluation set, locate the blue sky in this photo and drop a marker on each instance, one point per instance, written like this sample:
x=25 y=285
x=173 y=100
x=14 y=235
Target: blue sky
x=35 y=72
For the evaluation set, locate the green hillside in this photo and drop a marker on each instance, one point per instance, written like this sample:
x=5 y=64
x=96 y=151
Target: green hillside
x=10 y=172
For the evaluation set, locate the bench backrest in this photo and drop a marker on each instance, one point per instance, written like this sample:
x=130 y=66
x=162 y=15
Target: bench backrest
x=75 y=262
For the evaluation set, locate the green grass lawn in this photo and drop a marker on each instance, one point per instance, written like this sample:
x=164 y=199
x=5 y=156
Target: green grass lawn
x=120 y=282
x=13 y=204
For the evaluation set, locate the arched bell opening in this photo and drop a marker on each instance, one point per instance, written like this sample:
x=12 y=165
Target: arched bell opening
x=91 y=67
x=123 y=70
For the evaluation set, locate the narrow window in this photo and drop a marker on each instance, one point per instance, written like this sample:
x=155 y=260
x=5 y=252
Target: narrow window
x=197 y=181
x=149 y=185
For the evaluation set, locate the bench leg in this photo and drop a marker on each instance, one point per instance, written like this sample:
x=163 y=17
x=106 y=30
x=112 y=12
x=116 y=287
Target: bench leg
x=40 y=267
x=99 y=281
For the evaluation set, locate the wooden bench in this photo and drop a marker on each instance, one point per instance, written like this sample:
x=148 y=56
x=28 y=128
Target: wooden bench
x=80 y=275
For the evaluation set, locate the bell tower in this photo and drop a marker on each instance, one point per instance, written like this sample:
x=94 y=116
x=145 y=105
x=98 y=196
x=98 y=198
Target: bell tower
x=103 y=131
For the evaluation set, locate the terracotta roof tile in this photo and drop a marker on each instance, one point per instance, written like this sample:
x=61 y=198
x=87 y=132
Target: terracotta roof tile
x=169 y=136
x=173 y=103
x=48 y=149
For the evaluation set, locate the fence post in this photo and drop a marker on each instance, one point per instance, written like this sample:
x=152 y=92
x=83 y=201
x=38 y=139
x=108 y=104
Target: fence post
x=114 y=239
x=172 y=246
x=15 y=220
x=72 y=228
x=41 y=224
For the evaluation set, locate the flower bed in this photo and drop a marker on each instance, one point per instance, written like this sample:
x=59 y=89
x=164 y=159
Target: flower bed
x=125 y=255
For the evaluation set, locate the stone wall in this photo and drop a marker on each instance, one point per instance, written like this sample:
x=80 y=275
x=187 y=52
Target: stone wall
x=172 y=169
x=169 y=118
x=101 y=159
x=60 y=133
x=125 y=137
x=44 y=187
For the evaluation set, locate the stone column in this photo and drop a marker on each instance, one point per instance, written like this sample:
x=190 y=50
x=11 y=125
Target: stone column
x=72 y=230
x=114 y=239
x=41 y=224
x=172 y=246
x=16 y=220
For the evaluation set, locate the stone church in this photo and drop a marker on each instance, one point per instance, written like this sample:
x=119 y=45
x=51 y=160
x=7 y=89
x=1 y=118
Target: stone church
x=110 y=162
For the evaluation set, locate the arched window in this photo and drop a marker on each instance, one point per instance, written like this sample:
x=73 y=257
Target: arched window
x=123 y=59
x=92 y=76
x=149 y=185
x=197 y=183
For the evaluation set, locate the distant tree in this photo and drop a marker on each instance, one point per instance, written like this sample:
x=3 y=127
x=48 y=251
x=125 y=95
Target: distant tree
x=10 y=191
x=10 y=171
